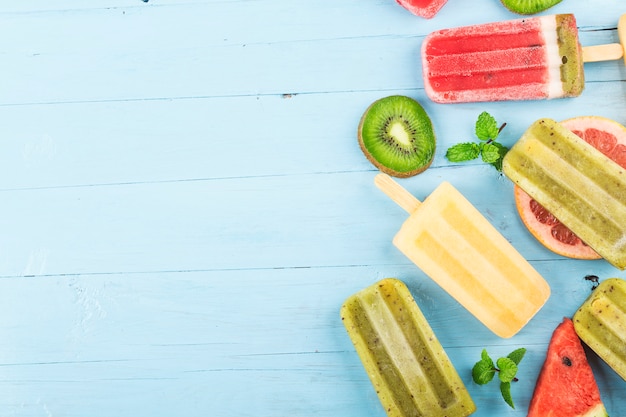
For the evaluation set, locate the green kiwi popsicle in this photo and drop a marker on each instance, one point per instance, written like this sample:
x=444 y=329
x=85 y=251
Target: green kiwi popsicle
x=405 y=362
x=601 y=323
x=575 y=182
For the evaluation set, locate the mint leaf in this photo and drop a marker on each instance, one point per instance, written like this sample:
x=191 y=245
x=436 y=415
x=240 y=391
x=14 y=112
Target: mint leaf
x=490 y=153
x=463 y=152
x=482 y=372
x=486 y=127
x=508 y=369
x=505 y=389
x=485 y=357
x=517 y=355
x=502 y=150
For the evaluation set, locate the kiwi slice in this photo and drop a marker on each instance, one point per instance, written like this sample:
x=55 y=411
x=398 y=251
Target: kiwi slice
x=528 y=6
x=397 y=136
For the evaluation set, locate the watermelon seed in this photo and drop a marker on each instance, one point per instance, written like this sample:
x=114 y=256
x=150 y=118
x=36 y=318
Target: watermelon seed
x=567 y=361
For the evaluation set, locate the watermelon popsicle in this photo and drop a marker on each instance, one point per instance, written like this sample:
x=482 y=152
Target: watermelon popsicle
x=575 y=182
x=522 y=59
x=423 y=8
x=405 y=362
x=600 y=322
x=457 y=247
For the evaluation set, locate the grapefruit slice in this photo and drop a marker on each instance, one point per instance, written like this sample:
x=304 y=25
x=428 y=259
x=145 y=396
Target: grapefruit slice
x=604 y=134
x=566 y=386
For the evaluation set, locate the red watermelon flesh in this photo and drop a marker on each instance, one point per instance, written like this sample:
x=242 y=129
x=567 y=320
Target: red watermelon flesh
x=566 y=386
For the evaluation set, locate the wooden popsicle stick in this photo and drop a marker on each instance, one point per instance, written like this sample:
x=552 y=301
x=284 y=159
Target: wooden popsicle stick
x=611 y=51
x=608 y=52
x=621 y=32
x=397 y=193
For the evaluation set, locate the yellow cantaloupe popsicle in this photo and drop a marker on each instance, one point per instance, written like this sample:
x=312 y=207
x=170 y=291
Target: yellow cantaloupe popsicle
x=600 y=322
x=405 y=362
x=456 y=246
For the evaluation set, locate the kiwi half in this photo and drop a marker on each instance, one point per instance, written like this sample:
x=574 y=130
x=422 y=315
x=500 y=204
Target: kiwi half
x=397 y=136
x=528 y=6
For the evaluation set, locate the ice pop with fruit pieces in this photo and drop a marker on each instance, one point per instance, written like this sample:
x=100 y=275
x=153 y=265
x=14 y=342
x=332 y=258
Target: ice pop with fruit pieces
x=521 y=59
x=456 y=246
x=405 y=362
x=584 y=189
x=600 y=322
x=423 y=8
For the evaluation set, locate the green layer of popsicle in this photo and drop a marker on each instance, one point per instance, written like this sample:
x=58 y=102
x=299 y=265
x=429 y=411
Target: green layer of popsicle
x=572 y=70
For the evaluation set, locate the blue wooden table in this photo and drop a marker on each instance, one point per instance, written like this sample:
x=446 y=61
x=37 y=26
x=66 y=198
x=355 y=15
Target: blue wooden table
x=184 y=205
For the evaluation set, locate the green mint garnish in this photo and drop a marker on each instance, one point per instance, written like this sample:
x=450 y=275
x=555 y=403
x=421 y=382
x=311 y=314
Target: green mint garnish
x=505 y=389
x=491 y=151
x=463 y=152
x=486 y=127
x=502 y=151
x=506 y=367
x=517 y=355
x=484 y=370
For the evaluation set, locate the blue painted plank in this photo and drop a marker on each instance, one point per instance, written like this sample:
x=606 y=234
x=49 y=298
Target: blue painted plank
x=137 y=60
x=291 y=221
x=94 y=336
x=236 y=137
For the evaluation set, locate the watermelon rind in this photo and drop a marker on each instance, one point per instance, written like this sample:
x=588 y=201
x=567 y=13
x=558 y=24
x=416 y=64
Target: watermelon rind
x=597 y=411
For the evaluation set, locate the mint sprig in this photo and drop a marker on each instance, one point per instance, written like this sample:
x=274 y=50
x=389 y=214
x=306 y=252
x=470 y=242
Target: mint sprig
x=486 y=127
x=484 y=371
x=491 y=151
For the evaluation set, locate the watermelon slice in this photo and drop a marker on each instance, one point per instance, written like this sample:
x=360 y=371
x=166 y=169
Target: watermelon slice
x=566 y=386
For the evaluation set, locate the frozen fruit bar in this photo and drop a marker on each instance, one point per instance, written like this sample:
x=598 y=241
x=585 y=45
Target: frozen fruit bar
x=584 y=189
x=522 y=59
x=405 y=362
x=423 y=8
x=456 y=246
x=601 y=323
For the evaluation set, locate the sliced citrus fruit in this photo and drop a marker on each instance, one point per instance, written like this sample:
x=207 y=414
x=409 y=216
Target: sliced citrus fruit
x=604 y=134
x=548 y=230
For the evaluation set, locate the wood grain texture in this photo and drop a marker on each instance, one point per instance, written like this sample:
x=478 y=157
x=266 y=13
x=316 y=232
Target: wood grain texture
x=185 y=206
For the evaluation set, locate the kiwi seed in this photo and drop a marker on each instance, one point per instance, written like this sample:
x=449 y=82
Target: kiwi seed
x=397 y=136
x=528 y=6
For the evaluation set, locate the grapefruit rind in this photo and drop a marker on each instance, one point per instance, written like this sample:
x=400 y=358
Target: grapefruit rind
x=542 y=232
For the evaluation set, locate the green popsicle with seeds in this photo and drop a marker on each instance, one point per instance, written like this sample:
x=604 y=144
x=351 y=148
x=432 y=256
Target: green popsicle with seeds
x=600 y=322
x=584 y=189
x=405 y=362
